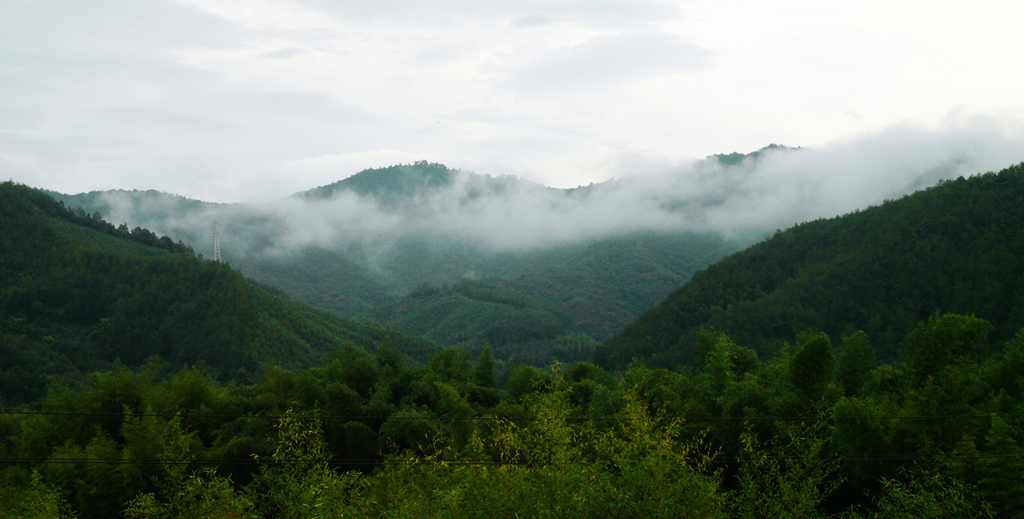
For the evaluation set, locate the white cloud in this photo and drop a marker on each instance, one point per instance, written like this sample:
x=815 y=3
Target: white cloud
x=220 y=99
x=607 y=13
x=606 y=60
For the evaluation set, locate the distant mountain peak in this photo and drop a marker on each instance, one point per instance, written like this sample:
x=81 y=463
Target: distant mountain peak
x=389 y=184
x=736 y=158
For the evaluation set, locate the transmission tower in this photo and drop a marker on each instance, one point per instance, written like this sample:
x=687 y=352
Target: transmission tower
x=216 y=243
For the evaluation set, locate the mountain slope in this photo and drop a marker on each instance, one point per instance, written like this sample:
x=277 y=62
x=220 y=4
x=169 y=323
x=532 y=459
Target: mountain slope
x=76 y=294
x=532 y=305
x=606 y=285
x=475 y=313
x=956 y=247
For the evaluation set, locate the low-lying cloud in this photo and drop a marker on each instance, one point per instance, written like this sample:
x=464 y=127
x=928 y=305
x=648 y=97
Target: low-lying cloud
x=780 y=188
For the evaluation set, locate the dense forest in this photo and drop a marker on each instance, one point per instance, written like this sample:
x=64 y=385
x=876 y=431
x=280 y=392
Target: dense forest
x=819 y=430
x=76 y=294
x=956 y=247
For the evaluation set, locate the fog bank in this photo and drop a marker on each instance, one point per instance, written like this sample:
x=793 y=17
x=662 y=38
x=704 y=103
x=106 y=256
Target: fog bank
x=773 y=190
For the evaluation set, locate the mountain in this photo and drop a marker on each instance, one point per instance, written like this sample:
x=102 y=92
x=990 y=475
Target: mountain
x=955 y=247
x=599 y=254
x=736 y=158
x=399 y=186
x=76 y=294
x=360 y=246
x=390 y=186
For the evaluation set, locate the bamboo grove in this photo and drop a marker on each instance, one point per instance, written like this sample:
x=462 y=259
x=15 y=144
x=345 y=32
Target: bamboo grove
x=818 y=430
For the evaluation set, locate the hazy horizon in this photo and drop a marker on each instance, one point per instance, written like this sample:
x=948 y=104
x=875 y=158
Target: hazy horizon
x=229 y=101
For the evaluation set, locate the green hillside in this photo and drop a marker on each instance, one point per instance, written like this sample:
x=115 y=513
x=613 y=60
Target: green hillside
x=606 y=285
x=321 y=278
x=395 y=186
x=520 y=328
x=554 y=304
x=956 y=247
x=77 y=294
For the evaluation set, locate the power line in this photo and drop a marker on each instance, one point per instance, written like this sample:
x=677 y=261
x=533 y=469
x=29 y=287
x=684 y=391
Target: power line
x=773 y=418
x=394 y=461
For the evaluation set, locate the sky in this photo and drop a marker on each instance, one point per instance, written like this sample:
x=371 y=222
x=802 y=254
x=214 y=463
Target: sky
x=252 y=100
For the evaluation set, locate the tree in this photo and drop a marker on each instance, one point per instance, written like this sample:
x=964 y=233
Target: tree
x=1000 y=470
x=929 y=495
x=943 y=340
x=38 y=501
x=813 y=365
x=483 y=372
x=854 y=360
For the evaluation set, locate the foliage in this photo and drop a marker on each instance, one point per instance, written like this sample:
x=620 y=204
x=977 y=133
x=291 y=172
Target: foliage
x=928 y=495
x=955 y=247
x=36 y=501
x=370 y=436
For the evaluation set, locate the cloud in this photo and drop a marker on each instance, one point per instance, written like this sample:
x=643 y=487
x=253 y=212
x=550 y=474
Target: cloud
x=302 y=106
x=494 y=215
x=57 y=30
x=224 y=99
x=531 y=20
x=606 y=60
x=602 y=13
x=286 y=53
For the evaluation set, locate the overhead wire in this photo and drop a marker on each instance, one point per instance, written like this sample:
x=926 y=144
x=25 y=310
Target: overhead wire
x=776 y=418
x=419 y=461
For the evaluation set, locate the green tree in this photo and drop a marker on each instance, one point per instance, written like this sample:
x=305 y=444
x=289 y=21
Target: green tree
x=813 y=365
x=36 y=501
x=943 y=340
x=297 y=483
x=199 y=495
x=1000 y=469
x=483 y=372
x=929 y=495
x=793 y=477
x=854 y=360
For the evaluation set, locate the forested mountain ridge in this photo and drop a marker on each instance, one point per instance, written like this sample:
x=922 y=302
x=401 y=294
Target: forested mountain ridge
x=360 y=248
x=76 y=293
x=955 y=247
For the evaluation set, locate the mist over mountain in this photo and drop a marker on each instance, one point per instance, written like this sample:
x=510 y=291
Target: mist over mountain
x=740 y=195
x=374 y=237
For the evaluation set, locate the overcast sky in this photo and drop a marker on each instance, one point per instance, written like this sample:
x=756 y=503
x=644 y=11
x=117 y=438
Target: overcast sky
x=252 y=100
